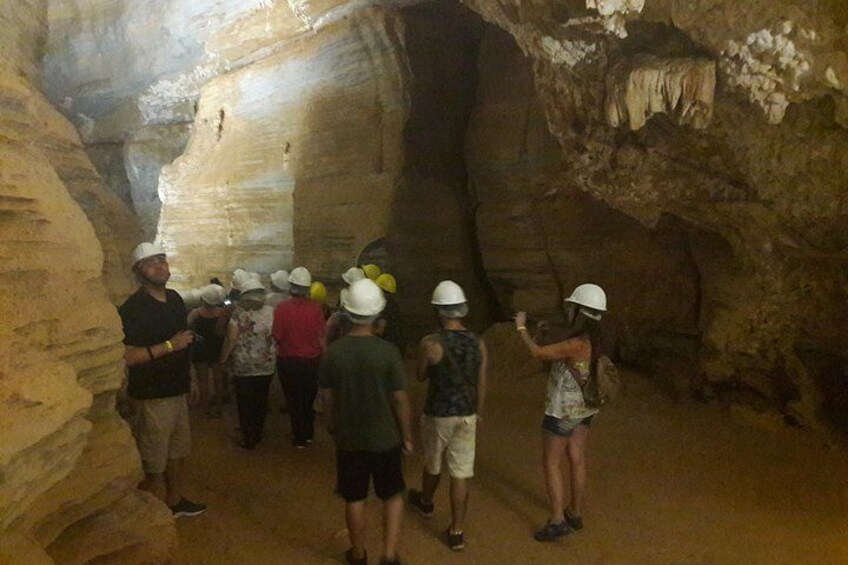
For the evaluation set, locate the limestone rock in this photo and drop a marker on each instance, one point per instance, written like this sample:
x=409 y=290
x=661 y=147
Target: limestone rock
x=326 y=142
x=540 y=236
x=64 y=453
x=645 y=85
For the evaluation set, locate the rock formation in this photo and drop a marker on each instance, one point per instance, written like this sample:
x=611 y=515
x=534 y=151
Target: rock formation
x=68 y=464
x=701 y=143
x=762 y=204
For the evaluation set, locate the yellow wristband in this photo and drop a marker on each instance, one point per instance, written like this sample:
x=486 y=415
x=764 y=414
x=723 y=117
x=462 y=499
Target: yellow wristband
x=169 y=346
x=521 y=328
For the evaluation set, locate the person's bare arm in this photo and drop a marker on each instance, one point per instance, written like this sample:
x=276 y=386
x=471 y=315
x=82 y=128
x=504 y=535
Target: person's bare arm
x=429 y=353
x=564 y=350
x=229 y=343
x=142 y=355
x=482 y=379
x=403 y=415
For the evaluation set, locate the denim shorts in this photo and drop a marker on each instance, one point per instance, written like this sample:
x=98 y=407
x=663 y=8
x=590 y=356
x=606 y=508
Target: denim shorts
x=564 y=426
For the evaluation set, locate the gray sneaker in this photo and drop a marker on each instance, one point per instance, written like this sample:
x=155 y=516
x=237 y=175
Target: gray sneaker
x=187 y=508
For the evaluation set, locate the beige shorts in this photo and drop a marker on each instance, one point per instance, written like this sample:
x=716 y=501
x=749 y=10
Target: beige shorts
x=453 y=435
x=162 y=431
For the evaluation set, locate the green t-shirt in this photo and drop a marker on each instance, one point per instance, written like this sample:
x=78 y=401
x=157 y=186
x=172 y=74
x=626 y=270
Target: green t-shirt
x=363 y=372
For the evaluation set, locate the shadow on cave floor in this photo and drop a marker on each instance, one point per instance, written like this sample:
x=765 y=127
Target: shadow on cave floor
x=669 y=483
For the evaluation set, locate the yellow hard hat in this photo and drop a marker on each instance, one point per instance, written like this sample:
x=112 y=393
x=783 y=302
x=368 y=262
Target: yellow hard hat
x=387 y=282
x=371 y=271
x=318 y=292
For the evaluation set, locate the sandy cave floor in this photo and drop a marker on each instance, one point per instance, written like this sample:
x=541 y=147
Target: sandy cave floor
x=669 y=483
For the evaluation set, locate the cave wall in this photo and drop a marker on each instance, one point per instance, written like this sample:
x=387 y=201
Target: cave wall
x=432 y=234
x=541 y=236
x=68 y=464
x=717 y=126
x=762 y=168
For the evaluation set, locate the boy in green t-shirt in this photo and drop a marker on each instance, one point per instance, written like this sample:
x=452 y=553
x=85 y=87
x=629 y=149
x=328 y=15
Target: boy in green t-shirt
x=367 y=409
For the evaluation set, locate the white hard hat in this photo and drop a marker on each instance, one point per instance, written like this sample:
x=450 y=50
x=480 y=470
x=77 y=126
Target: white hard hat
x=448 y=293
x=191 y=297
x=213 y=294
x=280 y=279
x=591 y=296
x=145 y=251
x=251 y=285
x=353 y=274
x=240 y=278
x=364 y=298
x=301 y=277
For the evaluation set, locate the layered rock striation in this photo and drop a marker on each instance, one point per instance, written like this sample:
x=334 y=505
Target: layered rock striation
x=689 y=155
x=68 y=464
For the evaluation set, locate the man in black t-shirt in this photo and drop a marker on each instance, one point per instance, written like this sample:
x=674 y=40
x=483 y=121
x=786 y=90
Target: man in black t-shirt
x=157 y=341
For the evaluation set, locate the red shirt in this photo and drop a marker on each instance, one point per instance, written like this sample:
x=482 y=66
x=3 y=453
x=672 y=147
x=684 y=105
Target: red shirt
x=298 y=328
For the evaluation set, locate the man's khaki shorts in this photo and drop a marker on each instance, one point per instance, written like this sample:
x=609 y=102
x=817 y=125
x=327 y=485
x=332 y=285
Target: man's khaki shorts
x=162 y=431
x=453 y=435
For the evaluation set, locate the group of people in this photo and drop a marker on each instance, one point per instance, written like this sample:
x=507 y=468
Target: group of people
x=348 y=361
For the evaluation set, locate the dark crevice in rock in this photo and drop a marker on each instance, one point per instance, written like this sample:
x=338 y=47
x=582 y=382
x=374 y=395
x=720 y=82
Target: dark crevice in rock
x=433 y=235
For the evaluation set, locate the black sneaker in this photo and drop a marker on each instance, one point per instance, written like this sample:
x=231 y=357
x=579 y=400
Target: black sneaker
x=552 y=531
x=187 y=508
x=349 y=558
x=455 y=541
x=574 y=522
x=416 y=502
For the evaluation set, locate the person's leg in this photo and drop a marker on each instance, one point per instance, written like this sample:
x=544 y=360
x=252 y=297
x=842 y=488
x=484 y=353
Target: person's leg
x=179 y=447
x=263 y=384
x=310 y=392
x=243 y=402
x=218 y=391
x=429 y=485
x=154 y=483
x=288 y=378
x=387 y=469
x=355 y=520
x=352 y=480
x=434 y=441
x=459 y=503
x=299 y=410
x=460 y=455
x=577 y=463
x=174 y=481
x=392 y=518
x=553 y=447
x=201 y=371
x=153 y=425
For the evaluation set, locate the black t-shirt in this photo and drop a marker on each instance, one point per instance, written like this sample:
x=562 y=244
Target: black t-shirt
x=147 y=322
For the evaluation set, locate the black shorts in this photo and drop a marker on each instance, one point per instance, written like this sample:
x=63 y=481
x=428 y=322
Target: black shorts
x=354 y=470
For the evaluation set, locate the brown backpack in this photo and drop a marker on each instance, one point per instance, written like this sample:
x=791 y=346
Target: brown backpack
x=603 y=385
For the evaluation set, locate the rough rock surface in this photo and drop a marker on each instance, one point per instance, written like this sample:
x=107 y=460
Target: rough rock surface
x=65 y=454
x=541 y=236
x=741 y=178
x=301 y=146
x=764 y=204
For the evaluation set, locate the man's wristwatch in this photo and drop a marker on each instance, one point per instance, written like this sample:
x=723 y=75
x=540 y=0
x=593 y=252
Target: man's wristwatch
x=169 y=346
